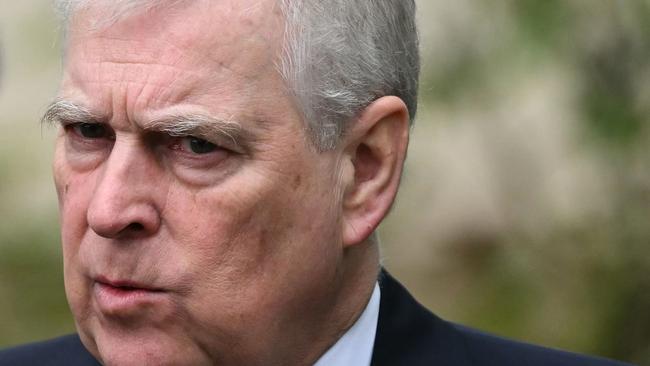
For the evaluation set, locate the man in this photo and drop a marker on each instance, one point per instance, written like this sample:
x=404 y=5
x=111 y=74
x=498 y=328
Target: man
x=221 y=169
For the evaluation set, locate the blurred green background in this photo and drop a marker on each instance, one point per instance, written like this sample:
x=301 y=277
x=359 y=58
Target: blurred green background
x=525 y=207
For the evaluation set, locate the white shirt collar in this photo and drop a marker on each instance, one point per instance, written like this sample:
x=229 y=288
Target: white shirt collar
x=354 y=348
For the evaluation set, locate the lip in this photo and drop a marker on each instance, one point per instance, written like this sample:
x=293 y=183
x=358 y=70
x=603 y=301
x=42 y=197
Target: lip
x=125 y=297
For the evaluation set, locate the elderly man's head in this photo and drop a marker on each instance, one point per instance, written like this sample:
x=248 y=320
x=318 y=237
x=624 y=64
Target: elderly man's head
x=221 y=167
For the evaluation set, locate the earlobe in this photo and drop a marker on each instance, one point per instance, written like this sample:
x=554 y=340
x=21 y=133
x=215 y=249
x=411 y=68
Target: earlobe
x=376 y=145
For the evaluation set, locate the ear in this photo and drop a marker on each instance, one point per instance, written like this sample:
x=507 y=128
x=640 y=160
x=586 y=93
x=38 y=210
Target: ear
x=375 y=148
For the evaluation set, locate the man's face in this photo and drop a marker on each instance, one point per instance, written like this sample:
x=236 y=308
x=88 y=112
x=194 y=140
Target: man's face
x=177 y=250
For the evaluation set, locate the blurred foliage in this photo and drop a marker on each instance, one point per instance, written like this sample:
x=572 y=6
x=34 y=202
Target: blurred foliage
x=576 y=281
x=525 y=205
x=33 y=303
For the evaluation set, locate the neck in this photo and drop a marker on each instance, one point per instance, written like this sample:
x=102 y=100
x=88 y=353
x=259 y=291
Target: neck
x=356 y=279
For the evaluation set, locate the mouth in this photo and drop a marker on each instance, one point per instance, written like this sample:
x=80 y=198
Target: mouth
x=124 y=297
x=125 y=285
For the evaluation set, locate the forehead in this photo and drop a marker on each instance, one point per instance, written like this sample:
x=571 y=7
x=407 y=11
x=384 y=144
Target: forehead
x=242 y=17
x=242 y=37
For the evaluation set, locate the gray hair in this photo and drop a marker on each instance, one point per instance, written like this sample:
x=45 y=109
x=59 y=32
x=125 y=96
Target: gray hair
x=339 y=56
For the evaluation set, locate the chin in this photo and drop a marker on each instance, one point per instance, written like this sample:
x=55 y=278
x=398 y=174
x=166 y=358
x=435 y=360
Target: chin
x=142 y=348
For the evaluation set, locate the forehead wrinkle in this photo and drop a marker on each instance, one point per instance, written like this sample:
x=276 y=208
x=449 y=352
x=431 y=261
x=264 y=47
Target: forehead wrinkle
x=130 y=50
x=160 y=86
x=127 y=72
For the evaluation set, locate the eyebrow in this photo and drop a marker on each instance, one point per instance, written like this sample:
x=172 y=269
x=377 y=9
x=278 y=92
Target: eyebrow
x=199 y=125
x=66 y=112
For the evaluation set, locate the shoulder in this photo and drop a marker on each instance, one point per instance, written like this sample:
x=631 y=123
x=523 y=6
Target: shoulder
x=488 y=350
x=67 y=350
x=409 y=334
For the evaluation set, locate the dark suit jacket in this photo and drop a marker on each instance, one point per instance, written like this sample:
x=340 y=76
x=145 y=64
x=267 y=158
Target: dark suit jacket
x=407 y=335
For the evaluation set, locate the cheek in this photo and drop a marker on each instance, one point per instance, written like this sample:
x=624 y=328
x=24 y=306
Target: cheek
x=68 y=184
x=246 y=242
x=74 y=192
x=221 y=232
x=74 y=195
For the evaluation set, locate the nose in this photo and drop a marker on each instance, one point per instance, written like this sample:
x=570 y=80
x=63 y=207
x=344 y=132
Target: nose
x=123 y=203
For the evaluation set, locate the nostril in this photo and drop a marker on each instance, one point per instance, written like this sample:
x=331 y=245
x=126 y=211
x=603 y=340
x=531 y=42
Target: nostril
x=136 y=226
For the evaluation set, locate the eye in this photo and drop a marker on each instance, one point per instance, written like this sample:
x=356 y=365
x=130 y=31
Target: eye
x=198 y=146
x=91 y=130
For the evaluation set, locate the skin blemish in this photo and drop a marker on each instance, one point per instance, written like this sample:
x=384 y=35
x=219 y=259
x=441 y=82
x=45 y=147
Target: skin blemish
x=297 y=181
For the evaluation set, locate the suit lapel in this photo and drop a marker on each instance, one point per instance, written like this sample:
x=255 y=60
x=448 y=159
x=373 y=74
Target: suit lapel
x=408 y=334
